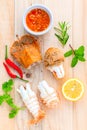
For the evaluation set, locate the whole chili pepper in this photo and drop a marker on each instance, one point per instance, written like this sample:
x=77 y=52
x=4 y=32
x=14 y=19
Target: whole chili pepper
x=12 y=64
x=11 y=74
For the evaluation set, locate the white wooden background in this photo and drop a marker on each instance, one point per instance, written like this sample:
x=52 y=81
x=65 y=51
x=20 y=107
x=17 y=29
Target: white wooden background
x=68 y=115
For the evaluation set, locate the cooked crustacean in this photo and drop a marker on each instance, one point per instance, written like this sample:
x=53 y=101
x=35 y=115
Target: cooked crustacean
x=30 y=99
x=53 y=61
x=48 y=94
x=26 y=51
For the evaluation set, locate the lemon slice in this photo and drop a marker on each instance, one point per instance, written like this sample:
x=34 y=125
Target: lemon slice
x=73 y=89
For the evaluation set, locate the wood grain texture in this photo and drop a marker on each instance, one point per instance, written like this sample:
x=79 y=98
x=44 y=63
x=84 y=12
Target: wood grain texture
x=68 y=115
x=6 y=37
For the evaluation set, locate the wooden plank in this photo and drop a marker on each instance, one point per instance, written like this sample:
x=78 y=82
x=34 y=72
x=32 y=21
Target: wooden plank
x=62 y=114
x=6 y=37
x=62 y=10
x=80 y=71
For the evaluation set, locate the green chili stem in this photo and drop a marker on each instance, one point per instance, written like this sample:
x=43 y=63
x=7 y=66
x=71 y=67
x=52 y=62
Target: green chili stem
x=6 y=52
x=22 y=79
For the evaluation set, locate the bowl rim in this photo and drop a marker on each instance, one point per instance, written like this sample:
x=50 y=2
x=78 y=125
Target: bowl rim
x=41 y=6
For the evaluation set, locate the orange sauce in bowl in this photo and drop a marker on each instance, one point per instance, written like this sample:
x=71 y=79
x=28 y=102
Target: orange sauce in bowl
x=37 y=20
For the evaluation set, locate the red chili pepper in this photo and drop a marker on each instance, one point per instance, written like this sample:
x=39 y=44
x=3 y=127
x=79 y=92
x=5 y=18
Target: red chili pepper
x=11 y=74
x=13 y=65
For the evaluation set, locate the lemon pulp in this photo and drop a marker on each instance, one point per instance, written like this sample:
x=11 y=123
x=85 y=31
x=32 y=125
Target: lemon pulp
x=73 y=89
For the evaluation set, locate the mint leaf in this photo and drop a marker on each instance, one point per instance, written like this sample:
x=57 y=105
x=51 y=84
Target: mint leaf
x=68 y=53
x=81 y=49
x=81 y=58
x=77 y=53
x=74 y=61
x=7 y=86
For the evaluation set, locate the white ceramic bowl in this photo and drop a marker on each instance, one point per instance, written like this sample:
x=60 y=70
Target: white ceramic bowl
x=40 y=6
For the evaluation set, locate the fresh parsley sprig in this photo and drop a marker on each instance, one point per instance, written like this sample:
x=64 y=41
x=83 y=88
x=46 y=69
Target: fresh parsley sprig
x=6 y=97
x=78 y=55
x=62 y=33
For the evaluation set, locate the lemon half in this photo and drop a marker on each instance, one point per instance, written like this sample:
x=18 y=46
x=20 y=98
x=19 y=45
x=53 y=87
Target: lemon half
x=73 y=89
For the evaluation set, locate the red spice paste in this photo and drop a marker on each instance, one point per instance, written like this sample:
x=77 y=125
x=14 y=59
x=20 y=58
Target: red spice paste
x=37 y=20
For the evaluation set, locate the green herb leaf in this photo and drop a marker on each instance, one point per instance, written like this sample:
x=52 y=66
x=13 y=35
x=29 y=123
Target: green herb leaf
x=13 y=113
x=58 y=30
x=68 y=53
x=1 y=99
x=59 y=37
x=62 y=34
x=74 y=61
x=6 y=97
x=65 y=39
x=9 y=100
x=81 y=58
x=80 y=51
x=77 y=53
x=7 y=86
